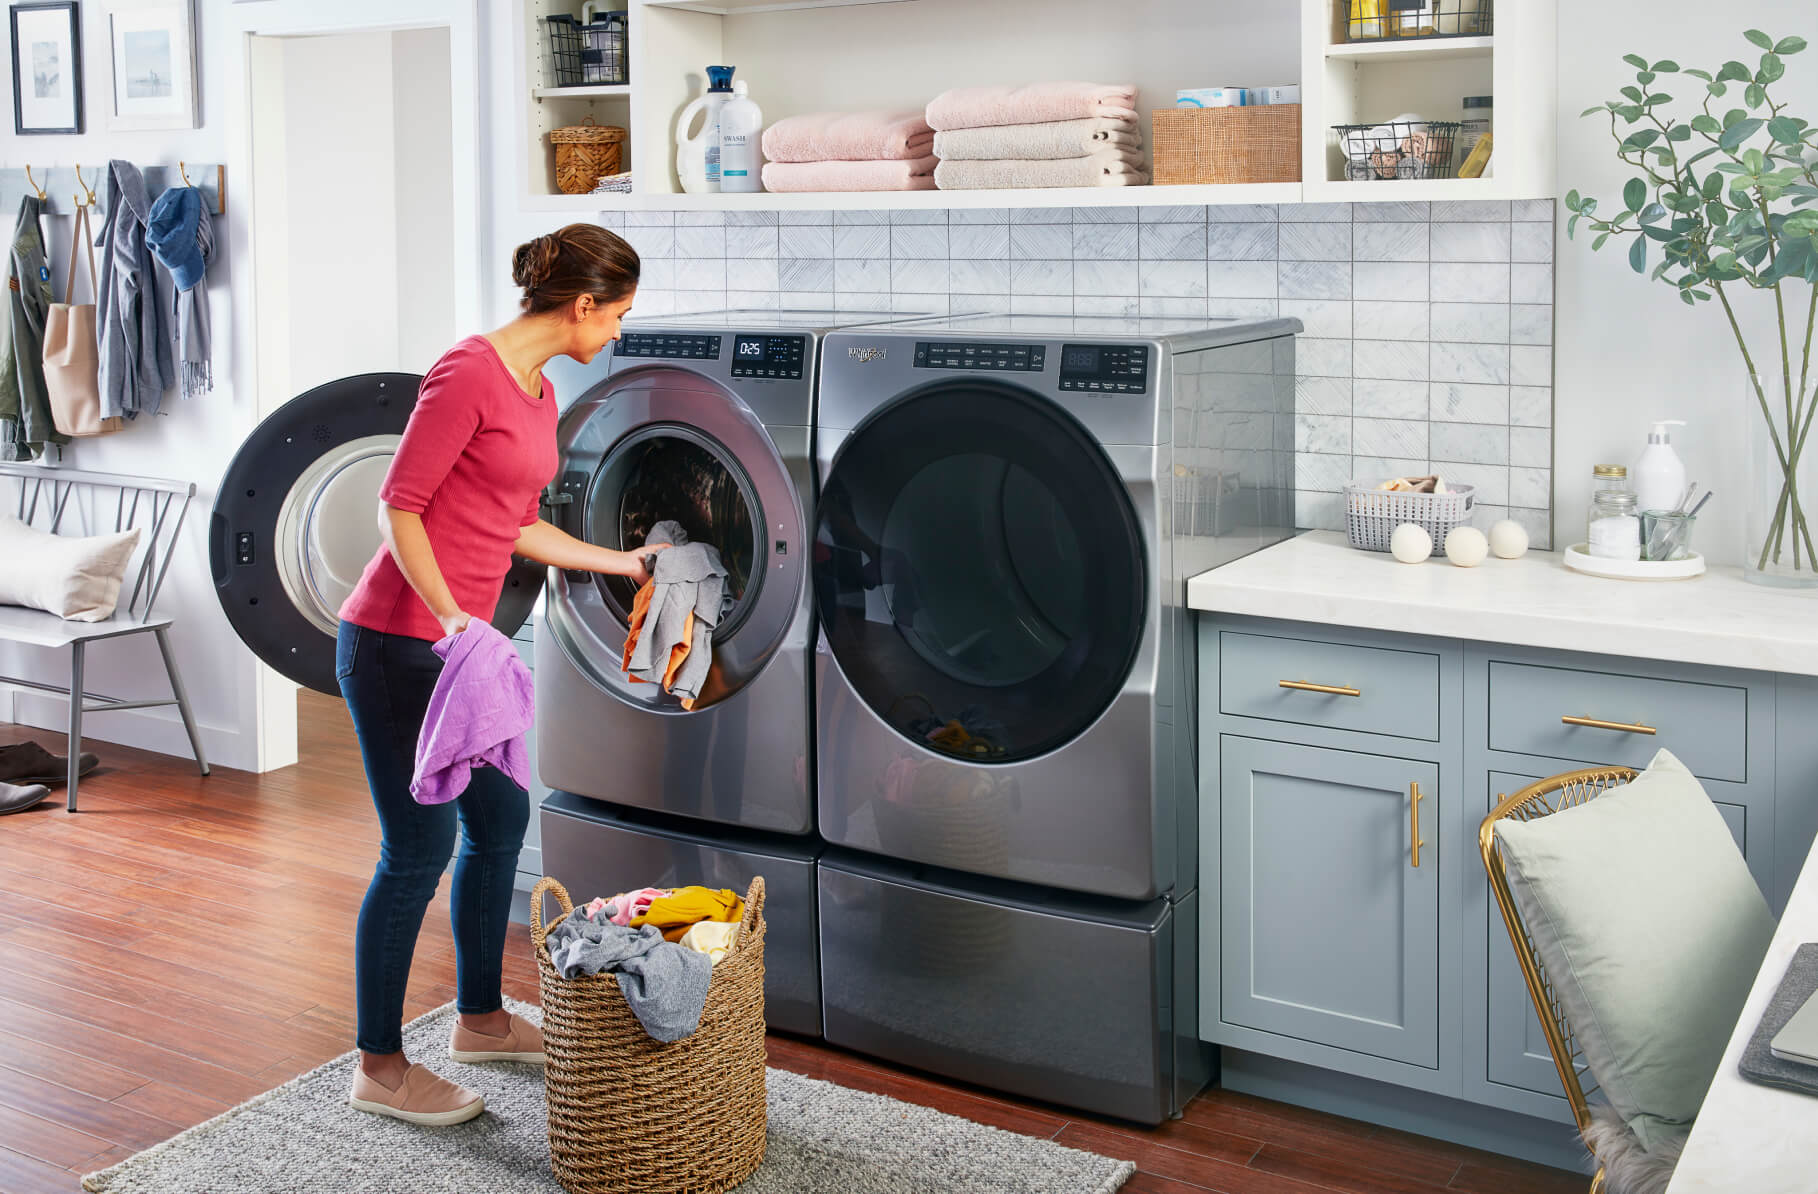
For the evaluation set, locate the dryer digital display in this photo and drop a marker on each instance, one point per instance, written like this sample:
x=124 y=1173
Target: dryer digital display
x=767 y=356
x=1105 y=368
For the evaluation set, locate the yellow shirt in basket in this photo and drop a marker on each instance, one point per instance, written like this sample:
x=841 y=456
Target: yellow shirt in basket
x=687 y=906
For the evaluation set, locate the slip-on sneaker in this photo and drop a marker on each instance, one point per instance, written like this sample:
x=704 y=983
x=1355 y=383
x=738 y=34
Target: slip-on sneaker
x=523 y=1043
x=16 y=798
x=424 y=1097
x=29 y=763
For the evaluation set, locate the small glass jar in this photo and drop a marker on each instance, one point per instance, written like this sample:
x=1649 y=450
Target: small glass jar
x=1613 y=530
x=1479 y=118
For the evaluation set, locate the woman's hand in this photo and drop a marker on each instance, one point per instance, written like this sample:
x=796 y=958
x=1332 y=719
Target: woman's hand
x=639 y=572
x=454 y=623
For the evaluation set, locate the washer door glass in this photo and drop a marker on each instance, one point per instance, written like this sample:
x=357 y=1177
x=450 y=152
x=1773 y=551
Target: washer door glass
x=679 y=474
x=979 y=572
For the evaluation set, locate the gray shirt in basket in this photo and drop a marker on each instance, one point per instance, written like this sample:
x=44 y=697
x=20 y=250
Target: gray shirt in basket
x=664 y=985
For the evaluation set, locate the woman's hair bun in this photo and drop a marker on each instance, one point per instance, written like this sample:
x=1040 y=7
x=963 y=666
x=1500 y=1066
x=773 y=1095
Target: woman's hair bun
x=535 y=261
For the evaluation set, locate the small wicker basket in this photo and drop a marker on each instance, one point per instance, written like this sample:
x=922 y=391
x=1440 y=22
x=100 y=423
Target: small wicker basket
x=1210 y=145
x=630 y=1115
x=584 y=152
x=1372 y=514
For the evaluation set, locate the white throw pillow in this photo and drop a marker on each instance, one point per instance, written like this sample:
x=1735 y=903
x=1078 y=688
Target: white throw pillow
x=77 y=578
x=1650 y=928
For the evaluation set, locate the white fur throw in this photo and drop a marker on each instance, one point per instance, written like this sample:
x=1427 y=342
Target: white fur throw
x=1629 y=1168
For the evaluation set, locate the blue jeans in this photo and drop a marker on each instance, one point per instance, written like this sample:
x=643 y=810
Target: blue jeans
x=387 y=680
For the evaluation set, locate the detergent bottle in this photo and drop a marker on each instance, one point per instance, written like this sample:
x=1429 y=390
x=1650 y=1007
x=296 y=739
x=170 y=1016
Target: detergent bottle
x=697 y=158
x=741 y=133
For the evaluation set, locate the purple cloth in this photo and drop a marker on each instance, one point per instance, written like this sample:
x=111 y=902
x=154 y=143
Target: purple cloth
x=478 y=714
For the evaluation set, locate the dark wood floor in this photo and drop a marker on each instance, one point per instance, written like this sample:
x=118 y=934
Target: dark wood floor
x=183 y=944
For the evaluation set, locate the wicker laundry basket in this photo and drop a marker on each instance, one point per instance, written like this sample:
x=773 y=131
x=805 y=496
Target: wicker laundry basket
x=630 y=1114
x=584 y=152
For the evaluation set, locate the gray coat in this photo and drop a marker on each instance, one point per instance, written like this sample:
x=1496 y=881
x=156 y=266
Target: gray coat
x=25 y=413
x=131 y=302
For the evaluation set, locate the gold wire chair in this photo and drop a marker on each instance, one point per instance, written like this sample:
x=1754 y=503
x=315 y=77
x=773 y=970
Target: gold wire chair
x=1531 y=803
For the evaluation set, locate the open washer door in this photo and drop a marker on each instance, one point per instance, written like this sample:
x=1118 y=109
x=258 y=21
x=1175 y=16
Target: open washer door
x=296 y=521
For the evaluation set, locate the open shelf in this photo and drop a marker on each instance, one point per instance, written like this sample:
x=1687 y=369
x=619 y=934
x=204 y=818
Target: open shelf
x=1436 y=49
x=1233 y=193
x=594 y=91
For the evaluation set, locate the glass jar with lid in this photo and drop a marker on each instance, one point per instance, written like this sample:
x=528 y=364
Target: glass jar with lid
x=1614 y=528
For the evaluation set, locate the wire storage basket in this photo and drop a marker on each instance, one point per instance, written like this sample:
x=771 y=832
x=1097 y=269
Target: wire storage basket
x=1375 y=20
x=1398 y=149
x=631 y=1115
x=589 y=55
x=1372 y=514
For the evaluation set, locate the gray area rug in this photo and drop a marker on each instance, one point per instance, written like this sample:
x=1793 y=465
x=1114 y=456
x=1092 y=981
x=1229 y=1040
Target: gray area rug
x=303 y=1138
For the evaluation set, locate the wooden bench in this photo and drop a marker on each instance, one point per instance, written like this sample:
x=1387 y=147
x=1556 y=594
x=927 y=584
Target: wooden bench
x=68 y=501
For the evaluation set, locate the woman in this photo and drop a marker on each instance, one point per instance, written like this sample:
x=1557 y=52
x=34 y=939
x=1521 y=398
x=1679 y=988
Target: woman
x=460 y=498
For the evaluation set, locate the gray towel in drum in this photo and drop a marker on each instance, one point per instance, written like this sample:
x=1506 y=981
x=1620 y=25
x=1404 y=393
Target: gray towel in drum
x=689 y=578
x=665 y=985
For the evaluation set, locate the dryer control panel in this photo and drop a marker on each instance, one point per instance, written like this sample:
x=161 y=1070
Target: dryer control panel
x=767 y=356
x=1105 y=368
x=651 y=344
x=966 y=354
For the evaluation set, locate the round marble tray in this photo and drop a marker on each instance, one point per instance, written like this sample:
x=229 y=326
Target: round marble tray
x=1579 y=559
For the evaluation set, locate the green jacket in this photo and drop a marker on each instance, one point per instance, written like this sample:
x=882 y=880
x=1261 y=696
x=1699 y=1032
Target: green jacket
x=25 y=413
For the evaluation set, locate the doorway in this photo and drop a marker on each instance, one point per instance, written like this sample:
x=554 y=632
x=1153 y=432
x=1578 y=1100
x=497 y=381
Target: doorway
x=356 y=242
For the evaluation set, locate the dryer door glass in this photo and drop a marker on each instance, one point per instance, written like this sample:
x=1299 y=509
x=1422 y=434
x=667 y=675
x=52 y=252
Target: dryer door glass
x=980 y=572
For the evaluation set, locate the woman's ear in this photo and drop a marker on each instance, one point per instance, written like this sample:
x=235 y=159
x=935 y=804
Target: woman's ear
x=583 y=307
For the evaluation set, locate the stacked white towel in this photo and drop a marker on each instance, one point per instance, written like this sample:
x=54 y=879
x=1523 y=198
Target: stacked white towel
x=1041 y=135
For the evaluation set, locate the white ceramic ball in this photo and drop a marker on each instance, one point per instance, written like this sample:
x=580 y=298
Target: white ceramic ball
x=1466 y=546
x=1410 y=543
x=1508 y=540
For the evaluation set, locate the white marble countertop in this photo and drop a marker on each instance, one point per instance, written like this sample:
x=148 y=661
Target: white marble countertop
x=1717 y=618
x=1748 y=1136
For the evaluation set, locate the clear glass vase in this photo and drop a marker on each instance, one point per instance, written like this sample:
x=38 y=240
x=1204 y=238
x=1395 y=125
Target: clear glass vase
x=1780 y=520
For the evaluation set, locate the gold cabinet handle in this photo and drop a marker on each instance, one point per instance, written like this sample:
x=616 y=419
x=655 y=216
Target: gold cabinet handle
x=1621 y=727
x=1328 y=689
x=1414 y=825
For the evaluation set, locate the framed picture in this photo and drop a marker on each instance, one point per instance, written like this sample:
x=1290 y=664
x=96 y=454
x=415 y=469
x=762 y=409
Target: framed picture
x=154 y=63
x=47 y=67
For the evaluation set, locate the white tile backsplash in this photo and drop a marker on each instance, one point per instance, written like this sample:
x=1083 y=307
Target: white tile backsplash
x=1429 y=327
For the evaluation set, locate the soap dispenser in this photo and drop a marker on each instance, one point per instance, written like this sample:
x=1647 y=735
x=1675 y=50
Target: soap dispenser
x=1659 y=476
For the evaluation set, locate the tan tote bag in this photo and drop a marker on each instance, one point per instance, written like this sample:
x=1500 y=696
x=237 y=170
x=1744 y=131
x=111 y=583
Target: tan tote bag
x=72 y=353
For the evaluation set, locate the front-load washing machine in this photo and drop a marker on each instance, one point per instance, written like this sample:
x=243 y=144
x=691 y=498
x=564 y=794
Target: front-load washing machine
x=1010 y=508
x=706 y=420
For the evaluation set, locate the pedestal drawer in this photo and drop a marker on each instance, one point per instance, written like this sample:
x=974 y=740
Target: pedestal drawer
x=1611 y=717
x=1371 y=690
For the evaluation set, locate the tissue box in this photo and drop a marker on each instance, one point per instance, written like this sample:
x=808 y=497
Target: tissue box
x=1257 y=143
x=1275 y=95
x=1212 y=97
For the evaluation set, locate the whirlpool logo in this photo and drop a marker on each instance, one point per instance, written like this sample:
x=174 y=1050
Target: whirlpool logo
x=865 y=356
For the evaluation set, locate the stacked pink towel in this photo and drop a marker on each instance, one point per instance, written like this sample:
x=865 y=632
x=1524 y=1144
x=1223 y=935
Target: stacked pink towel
x=1041 y=135
x=850 y=151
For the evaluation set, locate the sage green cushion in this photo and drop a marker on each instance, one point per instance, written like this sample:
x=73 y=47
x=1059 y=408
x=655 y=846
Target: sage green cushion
x=1650 y=928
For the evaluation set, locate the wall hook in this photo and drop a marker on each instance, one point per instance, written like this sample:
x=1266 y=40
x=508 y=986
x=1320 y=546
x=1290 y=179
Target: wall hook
x=185 y=173
x=34 y=185
x=84 y=185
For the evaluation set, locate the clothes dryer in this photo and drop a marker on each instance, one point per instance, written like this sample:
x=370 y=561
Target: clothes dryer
x=1010 y=508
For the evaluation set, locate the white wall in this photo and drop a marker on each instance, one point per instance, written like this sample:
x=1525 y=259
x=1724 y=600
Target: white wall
x=1628 y=350
x=424 y=180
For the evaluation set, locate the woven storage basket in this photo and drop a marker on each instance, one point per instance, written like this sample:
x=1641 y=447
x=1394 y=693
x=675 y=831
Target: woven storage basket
x=630 y=1115
x=1372 y=514
x=584 y=152
x=1203 y=145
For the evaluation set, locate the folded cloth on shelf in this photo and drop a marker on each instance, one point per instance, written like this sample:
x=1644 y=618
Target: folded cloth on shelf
x=1050 y=139
x=976 y=107
x=849 y=137
x=482 y=706
x=664 y=985
x=684 y=907
x=1107 y=169
x=903 y=174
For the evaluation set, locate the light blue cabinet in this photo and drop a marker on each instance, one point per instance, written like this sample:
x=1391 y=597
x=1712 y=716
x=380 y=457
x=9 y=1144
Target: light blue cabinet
x=1329 y=965
x=1331 y=913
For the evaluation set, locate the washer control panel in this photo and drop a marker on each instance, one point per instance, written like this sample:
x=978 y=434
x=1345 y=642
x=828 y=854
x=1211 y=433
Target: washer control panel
x=651 y=344
x=767 y=356
x=1105 y=368
x=967 y=354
